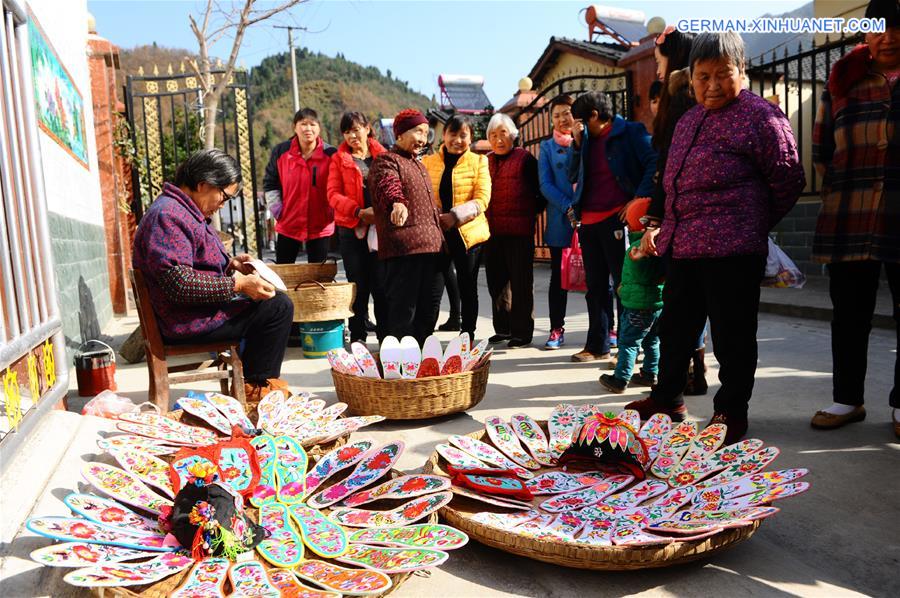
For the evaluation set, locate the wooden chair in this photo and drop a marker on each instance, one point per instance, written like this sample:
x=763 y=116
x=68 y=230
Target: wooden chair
x=158 y=352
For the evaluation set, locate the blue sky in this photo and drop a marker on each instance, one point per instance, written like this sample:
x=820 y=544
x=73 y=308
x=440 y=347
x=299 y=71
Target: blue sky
x=416 y=40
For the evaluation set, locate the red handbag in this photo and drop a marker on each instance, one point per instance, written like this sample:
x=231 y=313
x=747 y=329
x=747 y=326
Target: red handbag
x=572 y=276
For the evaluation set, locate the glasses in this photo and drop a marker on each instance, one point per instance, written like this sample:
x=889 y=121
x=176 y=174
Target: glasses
x=227 y=197
x=661 y=38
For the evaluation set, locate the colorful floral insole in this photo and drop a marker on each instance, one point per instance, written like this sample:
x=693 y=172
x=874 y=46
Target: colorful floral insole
x=108 y=512
x=374 y=465
x=128 y=574
x=320 y=534
x=282 y=546
x=423 y=535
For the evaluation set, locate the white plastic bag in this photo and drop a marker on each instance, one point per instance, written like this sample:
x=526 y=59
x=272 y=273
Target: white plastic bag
x=109 y=404
x=781 y=271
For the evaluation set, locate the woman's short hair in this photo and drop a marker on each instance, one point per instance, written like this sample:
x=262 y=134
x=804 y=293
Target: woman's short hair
x=714 y=46
x=593 y=100
x=306 y=113
x=457 y=122
x=211 y=166
x=563 y=99
x=348 y=119
x=501 y=120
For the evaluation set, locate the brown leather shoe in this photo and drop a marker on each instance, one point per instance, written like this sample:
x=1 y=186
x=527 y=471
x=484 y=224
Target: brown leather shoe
x=585 y=356
x=648 y=407
x=828 y=421
x=254 y=393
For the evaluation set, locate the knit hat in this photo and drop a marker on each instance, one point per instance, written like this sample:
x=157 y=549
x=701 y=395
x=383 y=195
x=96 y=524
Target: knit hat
x=408 y=119
x=636 y=210
x=889 y=10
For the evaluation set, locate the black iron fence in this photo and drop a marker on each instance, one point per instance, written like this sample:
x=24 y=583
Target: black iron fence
x=795 y=81
x=164 y=114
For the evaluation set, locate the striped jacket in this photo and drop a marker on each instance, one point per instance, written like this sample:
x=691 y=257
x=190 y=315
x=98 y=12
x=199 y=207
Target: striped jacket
x=856 y=145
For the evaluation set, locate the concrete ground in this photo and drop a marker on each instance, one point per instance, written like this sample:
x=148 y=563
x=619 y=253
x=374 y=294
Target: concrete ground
x=838 y=539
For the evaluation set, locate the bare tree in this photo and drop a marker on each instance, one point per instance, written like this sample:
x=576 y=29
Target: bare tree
x=215 y=24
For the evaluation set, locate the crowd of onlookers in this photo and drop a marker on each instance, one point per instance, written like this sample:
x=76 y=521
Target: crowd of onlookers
x=672 y=227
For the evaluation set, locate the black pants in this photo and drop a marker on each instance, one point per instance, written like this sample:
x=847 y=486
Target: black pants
x=557 y=296
x=264 y=328
x=363 y=268
x=726 y=290
x=509 y=261
x=287 y=249
x=413 y=295
x=448 y=274
x=853 y=287
x=603 y=251
x=466 y=263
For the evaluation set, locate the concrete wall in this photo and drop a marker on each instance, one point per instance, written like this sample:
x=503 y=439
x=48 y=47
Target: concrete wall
x=72 y=190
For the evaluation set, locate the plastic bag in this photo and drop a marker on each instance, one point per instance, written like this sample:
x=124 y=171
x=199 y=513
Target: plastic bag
x=109 y=404
x=572 y=277
x=781 y=272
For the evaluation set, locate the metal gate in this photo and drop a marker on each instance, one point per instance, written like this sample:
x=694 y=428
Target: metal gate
x=164 y=114
x=535 y=125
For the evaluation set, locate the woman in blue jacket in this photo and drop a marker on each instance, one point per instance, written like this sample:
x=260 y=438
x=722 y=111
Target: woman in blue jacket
x=559 y=193
x=612 y=163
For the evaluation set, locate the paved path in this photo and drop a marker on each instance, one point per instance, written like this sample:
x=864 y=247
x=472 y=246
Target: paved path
x=841 y=538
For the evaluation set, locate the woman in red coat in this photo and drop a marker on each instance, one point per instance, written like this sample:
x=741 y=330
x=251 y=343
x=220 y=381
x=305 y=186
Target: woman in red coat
x=295 y=184
x=351 y=200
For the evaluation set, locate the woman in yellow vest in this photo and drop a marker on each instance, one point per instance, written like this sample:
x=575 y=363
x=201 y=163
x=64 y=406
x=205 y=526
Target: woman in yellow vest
x=462 y=188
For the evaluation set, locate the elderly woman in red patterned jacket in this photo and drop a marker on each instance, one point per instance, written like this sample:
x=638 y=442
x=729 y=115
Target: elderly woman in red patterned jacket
x=856 y=146
x=512 y=212
x=409 y=231
x=199 y=293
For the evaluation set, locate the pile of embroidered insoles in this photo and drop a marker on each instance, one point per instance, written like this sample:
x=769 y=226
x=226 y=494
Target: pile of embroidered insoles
x=405 y=359
x=310 y=512
x=694 y=487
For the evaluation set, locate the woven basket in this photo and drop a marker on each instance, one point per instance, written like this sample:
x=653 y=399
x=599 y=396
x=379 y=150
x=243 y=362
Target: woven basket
x=165 y=587
x=294 y=274
x=322 y=301
x=460 y=511
x=417 y=398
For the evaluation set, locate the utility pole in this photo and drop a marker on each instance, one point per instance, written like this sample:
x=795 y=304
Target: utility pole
x=290 y=31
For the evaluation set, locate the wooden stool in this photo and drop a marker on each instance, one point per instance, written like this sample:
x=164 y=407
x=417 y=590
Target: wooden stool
x=157 y=353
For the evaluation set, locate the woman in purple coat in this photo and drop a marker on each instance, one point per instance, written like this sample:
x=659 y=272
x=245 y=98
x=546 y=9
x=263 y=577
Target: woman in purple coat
x=199 y=293
x=732 y=173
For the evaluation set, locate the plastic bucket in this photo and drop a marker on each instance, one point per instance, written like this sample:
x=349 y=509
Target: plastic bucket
x=95 y=369
x=318 y=338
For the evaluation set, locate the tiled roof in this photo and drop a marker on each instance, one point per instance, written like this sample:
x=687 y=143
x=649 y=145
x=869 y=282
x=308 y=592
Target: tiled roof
x=603 y=52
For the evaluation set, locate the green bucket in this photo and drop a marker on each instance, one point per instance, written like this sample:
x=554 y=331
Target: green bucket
x=318 y=338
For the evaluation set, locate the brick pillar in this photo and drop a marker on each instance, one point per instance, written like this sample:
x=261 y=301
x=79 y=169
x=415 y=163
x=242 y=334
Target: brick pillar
x=103 y=60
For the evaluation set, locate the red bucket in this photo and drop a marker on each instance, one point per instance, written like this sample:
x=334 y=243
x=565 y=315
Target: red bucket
x=95 y=369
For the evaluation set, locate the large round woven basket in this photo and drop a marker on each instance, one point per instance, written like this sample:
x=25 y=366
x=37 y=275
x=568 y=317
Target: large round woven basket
x=162 y=589
x=460 y=512
x=294 y=274
x=165 y=587
x=416 y=398
x=322 y=301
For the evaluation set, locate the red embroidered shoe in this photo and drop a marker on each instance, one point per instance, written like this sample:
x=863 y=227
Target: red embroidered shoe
x=647 y=407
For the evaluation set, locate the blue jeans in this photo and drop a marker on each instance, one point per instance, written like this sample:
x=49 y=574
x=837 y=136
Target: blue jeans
x=638 y=328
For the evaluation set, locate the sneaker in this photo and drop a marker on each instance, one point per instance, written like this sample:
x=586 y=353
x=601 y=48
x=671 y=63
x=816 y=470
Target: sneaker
x=647 y=407
x=737 y=426
x=557 y=339
x=516 y=343
x=499 y=338
x=585 y=356
x=643 y=378
x=613 y=340
x=613 y=384
x=451 y=325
